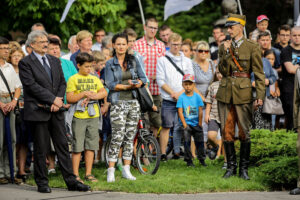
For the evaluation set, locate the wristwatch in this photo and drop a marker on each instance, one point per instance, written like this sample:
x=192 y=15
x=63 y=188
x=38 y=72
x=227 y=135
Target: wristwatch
x=16 y=99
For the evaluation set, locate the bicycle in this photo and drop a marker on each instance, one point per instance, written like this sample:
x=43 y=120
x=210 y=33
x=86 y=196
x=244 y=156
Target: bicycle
x=147 y=157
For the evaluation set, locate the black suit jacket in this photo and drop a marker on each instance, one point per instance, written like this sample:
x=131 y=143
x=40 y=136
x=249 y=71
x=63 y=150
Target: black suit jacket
x=38 y=88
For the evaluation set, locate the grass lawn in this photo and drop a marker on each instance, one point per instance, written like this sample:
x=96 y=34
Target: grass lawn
x=172 y=177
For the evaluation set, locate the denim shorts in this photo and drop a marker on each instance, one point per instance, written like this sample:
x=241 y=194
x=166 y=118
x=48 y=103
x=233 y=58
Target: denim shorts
x=168 y=113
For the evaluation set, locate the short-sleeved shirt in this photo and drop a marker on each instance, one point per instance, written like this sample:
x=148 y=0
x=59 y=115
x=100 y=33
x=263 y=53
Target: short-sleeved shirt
x=79 y=83
x=202 y=78
x=288 y=54
x=190 y=106
x=211 y=99
x=150 y=54
x=11 y=77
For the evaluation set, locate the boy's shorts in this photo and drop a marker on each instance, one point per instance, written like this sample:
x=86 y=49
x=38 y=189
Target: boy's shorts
x=213 y=125
x=85 y=134
x=168 y=113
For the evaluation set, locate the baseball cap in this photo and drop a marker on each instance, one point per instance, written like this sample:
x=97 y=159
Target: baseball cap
x=188 y=77
x=261 y=18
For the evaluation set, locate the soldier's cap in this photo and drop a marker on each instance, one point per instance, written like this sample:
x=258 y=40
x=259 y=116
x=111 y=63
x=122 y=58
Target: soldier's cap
x=261 y=18
x=234 y=19
x=188 y=77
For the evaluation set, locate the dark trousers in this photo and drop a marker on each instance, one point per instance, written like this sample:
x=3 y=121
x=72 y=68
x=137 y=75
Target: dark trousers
x=197 y=133
x=42 y=131
x=287 y=105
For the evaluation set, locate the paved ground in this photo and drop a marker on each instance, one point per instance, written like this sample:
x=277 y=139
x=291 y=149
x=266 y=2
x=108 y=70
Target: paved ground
x=14 y=192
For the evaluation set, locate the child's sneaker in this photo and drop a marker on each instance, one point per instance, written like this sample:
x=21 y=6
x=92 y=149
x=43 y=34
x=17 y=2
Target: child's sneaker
x=202 y=162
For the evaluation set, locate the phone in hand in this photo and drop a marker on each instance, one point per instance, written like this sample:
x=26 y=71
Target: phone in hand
x=135 y=82
x=228 y=37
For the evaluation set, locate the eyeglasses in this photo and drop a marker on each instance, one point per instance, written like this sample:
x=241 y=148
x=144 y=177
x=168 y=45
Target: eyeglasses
x=42 y=42
x=284 y=35
x=176 y=45
x=131 y=40
x=203 y=51
x=5 y=48
x=153 y=28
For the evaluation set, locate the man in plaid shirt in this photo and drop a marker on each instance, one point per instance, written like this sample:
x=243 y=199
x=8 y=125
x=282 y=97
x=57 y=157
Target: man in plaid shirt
x=151 y=49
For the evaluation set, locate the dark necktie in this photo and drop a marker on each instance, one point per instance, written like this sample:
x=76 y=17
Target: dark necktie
x=47 y=68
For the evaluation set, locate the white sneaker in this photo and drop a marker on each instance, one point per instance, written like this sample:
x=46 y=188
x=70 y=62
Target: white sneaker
x=127 y=174
x=111 y=174
x=51 y=171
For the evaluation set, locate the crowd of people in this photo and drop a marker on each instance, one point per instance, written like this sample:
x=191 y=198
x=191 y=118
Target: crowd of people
x=204 y=94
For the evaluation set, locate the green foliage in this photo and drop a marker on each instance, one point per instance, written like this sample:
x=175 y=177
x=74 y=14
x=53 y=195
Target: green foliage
x=280 y=172
x=84 y=14
x=267 y=144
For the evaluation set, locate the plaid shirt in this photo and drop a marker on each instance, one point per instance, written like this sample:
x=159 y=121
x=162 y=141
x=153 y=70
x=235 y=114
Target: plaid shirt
x=150 y=53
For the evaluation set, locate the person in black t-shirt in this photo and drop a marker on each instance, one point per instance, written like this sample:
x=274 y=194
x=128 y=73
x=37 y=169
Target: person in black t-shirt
x=290 y=58
x=284 y=35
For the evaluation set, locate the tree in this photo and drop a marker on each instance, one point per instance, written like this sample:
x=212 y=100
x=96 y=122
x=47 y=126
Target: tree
x=84 y=14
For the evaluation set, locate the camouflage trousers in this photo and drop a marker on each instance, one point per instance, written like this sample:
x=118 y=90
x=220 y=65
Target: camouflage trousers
x=124 y=118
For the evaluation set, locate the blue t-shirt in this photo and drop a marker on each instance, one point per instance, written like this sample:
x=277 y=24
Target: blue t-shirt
x=190 y=106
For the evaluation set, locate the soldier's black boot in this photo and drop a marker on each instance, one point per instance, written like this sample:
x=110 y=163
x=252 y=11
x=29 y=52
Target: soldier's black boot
x=244 y=160
x=231 y=159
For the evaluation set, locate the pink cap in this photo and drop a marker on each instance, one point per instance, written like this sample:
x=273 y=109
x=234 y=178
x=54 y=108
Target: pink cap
x=261 y=18
x=188 y=77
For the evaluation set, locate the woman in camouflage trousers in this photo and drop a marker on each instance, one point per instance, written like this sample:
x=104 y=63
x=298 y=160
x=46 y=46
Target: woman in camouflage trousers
x=122 y=78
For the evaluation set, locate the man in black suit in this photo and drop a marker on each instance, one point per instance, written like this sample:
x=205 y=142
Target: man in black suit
x=44 y=84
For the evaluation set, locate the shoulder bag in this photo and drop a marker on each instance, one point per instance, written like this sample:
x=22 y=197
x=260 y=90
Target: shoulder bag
x=143 y=95
x=272 y=106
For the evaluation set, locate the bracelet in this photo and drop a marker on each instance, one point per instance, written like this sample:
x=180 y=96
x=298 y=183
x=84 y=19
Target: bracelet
x=15 y=98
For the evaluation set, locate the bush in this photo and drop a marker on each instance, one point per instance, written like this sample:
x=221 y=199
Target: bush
x=267 y=144
x=279 y=172
x=276 y=155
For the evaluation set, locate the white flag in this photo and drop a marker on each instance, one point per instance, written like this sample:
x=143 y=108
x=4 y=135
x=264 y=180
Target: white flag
x=67 y=8
x=298 y=21
x=176 y=6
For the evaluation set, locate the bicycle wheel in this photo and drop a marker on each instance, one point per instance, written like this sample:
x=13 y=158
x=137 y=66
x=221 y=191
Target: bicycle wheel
x=106 y=148
x=148 y=155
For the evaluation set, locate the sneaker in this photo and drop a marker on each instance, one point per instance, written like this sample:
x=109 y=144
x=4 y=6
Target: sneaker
x=163 y=158
x=176 y=156
x=224 y=165
x=127 y=174
x=3 y=181
x=202 y=162
x=111 y=174
x=51 y=171
x=190 y=163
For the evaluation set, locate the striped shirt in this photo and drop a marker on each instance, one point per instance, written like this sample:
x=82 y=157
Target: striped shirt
x=211 y=99
x=150 y=54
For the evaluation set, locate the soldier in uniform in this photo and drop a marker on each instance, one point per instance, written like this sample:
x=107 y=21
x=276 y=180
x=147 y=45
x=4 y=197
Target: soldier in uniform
x=238 y=58
x=296 y=117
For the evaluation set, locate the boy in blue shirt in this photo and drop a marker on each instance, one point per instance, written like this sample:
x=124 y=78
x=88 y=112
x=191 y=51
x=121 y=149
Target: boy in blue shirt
x=189 y=106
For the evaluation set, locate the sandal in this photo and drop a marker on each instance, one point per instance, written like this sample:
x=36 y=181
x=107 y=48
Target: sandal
x=91 y=178
x=79 y=179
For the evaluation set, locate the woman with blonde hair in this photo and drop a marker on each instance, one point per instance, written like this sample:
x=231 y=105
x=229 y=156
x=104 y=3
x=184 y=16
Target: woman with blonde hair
x=204 y=70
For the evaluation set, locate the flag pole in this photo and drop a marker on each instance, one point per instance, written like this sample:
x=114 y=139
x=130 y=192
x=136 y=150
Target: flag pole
x=142 y=13
x=241 y=12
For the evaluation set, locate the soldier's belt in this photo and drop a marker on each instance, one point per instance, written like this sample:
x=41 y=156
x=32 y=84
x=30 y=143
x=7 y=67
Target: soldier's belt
x=240 y=74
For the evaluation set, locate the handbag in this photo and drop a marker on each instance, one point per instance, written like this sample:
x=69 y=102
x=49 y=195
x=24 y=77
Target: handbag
x=17 y=108
x=272 y=106
x=143 y=94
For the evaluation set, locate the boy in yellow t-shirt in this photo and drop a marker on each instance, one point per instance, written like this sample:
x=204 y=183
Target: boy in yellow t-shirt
x=85 y=90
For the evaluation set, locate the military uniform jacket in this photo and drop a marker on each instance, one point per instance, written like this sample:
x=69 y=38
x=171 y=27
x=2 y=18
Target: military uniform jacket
x=238 y=90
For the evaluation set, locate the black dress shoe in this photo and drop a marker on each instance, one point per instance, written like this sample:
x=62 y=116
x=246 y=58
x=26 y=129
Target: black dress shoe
x=44 y=189
x=295 y=191
x=79 y=187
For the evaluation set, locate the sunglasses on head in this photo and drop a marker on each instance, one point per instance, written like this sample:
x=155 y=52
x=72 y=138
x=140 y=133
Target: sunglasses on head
x=202 y=51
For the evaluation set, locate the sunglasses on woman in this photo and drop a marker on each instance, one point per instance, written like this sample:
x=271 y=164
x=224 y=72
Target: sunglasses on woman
x=203 y=51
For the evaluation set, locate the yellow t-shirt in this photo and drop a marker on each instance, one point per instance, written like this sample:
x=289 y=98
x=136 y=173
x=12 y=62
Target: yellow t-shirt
x=79 y=83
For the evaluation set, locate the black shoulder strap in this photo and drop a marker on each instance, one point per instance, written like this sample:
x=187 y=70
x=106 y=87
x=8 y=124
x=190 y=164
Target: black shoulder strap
x=5 y=81
x=176 y=67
